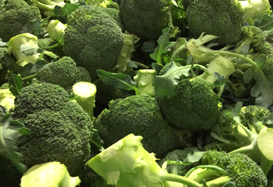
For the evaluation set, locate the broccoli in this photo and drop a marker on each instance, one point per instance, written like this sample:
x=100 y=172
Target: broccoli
x=145 y=18
x=93 y=39
x=243 y=131
x=39 y=96
x=63 y=72
x=6 y=98
x=14 y=16
x=191 y=103
x=140 y=115
x=240 y=168
x=214 y=17
x=60 y=130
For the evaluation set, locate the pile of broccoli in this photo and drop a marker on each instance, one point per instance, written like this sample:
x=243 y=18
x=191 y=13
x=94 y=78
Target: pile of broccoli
x=82 y=82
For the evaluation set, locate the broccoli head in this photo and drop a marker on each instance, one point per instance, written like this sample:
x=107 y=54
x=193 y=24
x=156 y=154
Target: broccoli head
x=93 y=39
x=14 y=16
x=38 y=96
x=145 y=18
x=220 y=18
x=63 y=72
x=195 y=106
x=7 y=64
x=139 y=115
x=62 y=135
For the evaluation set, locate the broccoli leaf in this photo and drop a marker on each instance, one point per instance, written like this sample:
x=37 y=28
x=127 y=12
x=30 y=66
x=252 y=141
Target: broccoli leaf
x=62 y=12
x=266 y=23
x=10 y=130
x=33 y=27
x=120 y=80
x=163 y=46
x=16 y=84
x=165 y=84
x=262 y=90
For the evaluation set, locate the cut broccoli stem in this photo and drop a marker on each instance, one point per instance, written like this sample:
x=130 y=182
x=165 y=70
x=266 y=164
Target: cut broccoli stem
x=84 y=93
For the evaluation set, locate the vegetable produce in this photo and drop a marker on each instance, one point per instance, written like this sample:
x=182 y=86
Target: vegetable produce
x=82 y=82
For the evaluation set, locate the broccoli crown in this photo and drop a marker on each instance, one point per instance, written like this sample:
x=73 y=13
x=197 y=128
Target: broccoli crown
x=62 y=135
x=145 y=18
x=38 y=96
x=93 y=39
x=139 y=115
x=195 y=106
x=83 y=75
x=63 y=72
x=239 y=167
x=14 y=16
x=214 y=17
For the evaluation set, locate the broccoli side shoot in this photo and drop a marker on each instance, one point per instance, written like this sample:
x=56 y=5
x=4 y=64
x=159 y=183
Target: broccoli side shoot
x=14 y=16
x=93 y=39
x=139 y=115
x=214 y=17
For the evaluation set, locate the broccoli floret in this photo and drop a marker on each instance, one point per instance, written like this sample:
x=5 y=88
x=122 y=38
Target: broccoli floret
x=14 y=16
x=57 y=135
x=83 y=75
x=194 y=107
x=63 y=72
x=145 y=18
x=140 y=115
x=214 y=17
x=89 y=36
x=38 y=96
x=240 y=168
x=241 y=129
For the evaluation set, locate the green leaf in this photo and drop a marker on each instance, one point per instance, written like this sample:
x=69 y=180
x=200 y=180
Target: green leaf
x=62 y=12
x=165 y=84
x=32 y=26
x=120 y=80
x=16 y=84
x=220 y=80
x=194 y=157
x=265 y=143
x=262 y=91
x=31 y=68
x=9 y=133
x=163 y=46
x=266 y=23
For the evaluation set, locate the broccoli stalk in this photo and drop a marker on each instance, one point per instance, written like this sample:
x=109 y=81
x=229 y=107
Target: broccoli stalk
x=47 y=6
x=7 y=99
x=84 y=93
x=145 y=78
x=126 y=52
x=24 y=47
x=55 y=30
x=49 y=174
x=127 y=163
x=255 y=9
